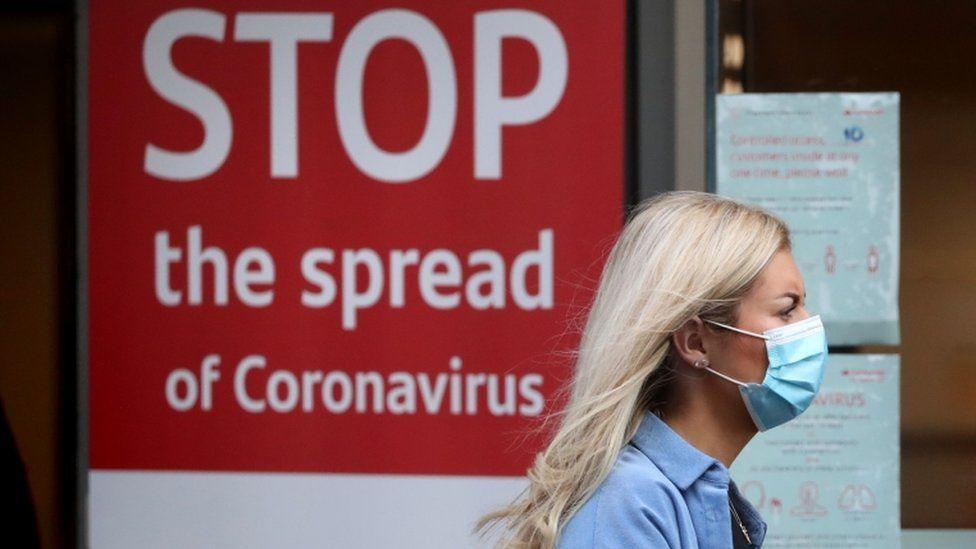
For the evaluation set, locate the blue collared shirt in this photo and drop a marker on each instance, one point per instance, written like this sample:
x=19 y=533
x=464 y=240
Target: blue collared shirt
x=662 y=493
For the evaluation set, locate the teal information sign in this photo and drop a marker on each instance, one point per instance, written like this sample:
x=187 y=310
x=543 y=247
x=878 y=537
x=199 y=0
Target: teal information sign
x=829 y=478
x=828 y=165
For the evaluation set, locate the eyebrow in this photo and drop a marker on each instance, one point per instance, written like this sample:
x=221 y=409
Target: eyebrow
x=795 y=296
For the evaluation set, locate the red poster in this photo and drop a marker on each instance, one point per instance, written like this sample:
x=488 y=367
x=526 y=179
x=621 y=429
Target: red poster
x=344 y=236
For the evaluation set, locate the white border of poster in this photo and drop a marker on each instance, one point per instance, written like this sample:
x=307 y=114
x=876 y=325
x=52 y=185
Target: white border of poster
x=259 y=510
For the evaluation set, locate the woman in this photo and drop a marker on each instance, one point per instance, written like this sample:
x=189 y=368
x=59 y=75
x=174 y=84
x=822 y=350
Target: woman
x=695 y=285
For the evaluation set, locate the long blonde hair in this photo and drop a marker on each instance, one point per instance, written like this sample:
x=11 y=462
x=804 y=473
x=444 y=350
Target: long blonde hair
x=680 y=253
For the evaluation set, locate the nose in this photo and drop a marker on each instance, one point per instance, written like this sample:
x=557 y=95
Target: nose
x=805 y=312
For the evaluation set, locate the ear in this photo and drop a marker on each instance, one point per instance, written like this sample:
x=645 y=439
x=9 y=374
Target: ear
x=689 y=344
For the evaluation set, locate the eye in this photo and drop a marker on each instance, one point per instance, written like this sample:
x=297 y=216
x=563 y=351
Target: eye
x=788 y=313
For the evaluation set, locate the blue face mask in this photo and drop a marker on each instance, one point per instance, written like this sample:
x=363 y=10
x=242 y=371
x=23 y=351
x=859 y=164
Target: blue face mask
x=797 y=355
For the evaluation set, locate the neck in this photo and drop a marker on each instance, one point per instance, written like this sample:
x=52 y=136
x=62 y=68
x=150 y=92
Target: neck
x=706 y=423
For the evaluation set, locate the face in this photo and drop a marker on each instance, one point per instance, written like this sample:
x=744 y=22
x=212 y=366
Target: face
x=778 y=298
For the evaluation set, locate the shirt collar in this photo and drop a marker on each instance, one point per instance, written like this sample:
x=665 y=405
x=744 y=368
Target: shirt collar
x=681 y=462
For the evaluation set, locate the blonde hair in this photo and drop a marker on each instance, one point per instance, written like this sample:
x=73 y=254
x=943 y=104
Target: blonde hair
x=680 y=254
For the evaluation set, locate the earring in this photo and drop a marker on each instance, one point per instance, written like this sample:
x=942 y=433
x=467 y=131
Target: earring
x=701 y=363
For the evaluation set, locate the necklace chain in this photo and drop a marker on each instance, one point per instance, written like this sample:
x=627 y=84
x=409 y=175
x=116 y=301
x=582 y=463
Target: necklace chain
x=741 y=526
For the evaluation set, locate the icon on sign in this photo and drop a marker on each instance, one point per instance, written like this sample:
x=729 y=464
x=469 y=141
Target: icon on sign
x=872 y=259
x=755 y=492
x=830 y=260
x=808 y=507
x=853 y=133
x=857 y=498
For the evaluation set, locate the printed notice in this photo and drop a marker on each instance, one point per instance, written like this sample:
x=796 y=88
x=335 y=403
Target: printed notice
x=829 y=478
x=828 y=165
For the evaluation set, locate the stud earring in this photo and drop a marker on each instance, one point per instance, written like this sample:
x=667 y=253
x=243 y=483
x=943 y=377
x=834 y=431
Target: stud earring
x=701 y=363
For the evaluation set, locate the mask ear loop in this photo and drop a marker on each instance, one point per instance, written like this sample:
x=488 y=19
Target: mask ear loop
x=733 y=328
x=736 y=381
